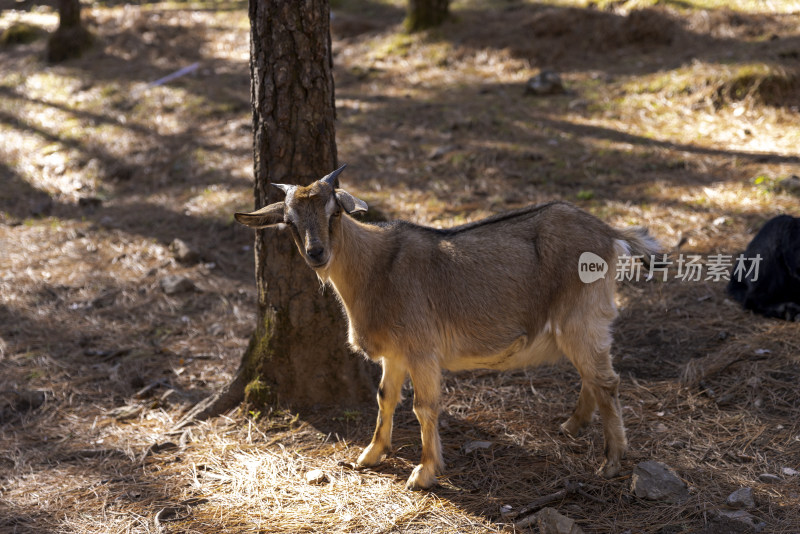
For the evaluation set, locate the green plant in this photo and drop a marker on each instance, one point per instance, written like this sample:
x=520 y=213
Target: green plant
x=349 y=416
x=765 y=184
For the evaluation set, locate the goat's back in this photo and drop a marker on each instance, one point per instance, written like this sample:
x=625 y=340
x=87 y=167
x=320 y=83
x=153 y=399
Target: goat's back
x=480 y=286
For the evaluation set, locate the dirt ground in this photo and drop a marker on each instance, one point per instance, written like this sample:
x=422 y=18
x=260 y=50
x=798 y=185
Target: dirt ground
x=680 y=116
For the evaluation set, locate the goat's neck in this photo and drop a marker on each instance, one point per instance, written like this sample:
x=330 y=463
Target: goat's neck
x=354 y=256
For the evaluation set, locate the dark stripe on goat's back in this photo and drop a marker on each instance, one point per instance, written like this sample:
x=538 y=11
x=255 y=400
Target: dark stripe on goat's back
x=500 y=217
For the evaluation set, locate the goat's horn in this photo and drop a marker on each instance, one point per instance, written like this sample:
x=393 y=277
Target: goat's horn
x=331 y=178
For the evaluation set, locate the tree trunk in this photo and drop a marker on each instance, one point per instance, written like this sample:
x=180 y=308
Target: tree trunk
x=71 y=39
x=298 y=353
x=423 y=14
x=69 y=13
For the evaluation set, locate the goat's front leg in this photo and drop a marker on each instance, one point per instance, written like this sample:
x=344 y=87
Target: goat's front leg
x=389 y=392
x=427 y=390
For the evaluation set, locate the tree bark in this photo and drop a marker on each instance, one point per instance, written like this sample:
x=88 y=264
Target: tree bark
x=298 y=353
x=69 y=13
x=71 y=39
x=423 y=14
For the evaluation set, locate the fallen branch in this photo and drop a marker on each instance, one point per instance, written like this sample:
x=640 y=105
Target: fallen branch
x=541 y=502
x=532 y=509
x=171 y=513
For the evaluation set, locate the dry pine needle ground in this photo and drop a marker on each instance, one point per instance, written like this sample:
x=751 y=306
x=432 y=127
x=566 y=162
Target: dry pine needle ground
x=680 y=118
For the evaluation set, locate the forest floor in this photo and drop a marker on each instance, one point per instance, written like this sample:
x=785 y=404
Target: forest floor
x=681 y=116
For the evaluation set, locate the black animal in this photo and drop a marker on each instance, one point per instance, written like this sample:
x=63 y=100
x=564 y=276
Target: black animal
x=776 y=291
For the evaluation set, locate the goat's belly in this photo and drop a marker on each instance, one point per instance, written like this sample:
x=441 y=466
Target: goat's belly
x=521 y=353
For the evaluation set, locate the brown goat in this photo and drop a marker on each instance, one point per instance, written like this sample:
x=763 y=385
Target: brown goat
x=500 y=293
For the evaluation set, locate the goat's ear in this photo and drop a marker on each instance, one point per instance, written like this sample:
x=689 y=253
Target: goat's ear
x=266 y=216
x=286 y=188
x=350 y=203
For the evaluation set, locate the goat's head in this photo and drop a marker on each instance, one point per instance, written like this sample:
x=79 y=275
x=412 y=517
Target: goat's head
x=312 y=213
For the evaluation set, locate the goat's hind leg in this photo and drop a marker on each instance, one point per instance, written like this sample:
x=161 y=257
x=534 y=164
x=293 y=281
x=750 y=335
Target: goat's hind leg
x=389 y=393
x=606 y=391
x=588 y=349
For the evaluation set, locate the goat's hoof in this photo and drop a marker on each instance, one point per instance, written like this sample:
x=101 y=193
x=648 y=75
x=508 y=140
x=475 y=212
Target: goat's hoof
x=609 y=469
x=421 y=478
x=371 y=456
x=572 y=428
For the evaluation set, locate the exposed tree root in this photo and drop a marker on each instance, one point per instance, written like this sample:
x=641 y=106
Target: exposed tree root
x=230 y=396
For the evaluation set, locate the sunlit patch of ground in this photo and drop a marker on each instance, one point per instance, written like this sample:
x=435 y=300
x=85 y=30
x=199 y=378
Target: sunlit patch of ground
x=687 y=125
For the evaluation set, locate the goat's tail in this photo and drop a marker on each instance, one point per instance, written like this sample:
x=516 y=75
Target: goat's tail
x=637 y=241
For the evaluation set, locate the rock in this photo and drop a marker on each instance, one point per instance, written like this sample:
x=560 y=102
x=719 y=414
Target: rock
x=578 y=104
x=90 y=202
x=439 y=152
x=741 y=499
x=136 y=381
x=789 y=472
x=545 y=83
x=657 y=482
x=105 y=299
x=475 y=445
x=550 y=521
x=182 y=252
x=733 y=522
x=162 y=447
x=769 y=478
x=122 y=173
x=20 y=401
x=216 y=329
x=790 y=185
x=42 y=206
x=94 y=169
x=316 y=477
x=126 y=412
x=173 y=284
x=169 y=397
